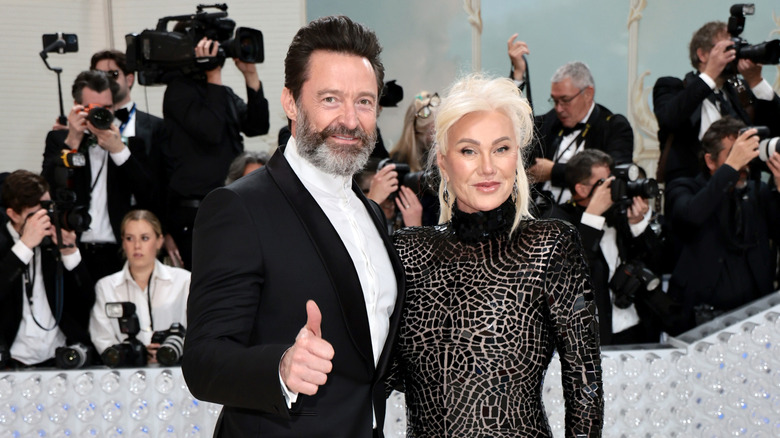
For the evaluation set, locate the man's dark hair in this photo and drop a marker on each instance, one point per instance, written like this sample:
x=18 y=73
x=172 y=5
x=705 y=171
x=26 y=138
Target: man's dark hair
x=115 y=55
x=333 y=34
x=704 y=39
x=712 y=141
x=96 y=81
x=22 y=189
x=578 y=168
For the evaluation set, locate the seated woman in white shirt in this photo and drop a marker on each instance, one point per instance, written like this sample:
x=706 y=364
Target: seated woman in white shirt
x=159 y=292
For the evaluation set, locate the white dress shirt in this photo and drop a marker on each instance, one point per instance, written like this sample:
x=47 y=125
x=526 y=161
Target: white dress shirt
x=710 y=113
x=168 y=287
x=360 y=236
x=564 y=153
x=33 y=344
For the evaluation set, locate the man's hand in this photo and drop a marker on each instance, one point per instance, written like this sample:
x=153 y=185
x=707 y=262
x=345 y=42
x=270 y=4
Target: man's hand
x=151 y=352
x=516 y=50
x=744 y=150
x=720 y=56
x=541 y=171
x=750 y=71
x=77 y=124
x=305 y=366
x=173 y=251
x=109 y=139
x=409 y=206
x=638 y=210
x=601 y=199
x=249 y=70
x=207 y=48
x=383 y=183
x=68 y=241
x=35 y=228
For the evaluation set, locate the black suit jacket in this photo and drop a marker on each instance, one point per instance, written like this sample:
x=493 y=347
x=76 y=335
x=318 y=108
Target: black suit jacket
x=129 y=186
x=78 y=287
x=606 y=132
x=710 y=269
x=631 y=248
x=677 y=106
x=262 y=248
x=153 y=136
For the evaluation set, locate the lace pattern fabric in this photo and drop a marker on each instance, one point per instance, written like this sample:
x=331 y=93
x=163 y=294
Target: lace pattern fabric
x=482 y=320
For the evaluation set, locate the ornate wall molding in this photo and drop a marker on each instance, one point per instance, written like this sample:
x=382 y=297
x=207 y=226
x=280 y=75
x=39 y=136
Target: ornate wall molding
x=643 y=121
x=474 y=10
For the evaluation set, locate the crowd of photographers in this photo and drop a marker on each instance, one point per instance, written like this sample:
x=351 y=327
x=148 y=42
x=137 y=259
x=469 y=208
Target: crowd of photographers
x=82 y=280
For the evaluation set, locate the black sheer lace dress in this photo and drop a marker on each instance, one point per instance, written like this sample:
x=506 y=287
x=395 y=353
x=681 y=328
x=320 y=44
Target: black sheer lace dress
x=484 y=313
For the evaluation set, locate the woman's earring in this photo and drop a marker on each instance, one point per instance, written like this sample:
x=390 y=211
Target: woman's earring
x=446 y=194
x=514 y=190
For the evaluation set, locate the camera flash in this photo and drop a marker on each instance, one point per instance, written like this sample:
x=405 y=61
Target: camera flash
x=120 y=310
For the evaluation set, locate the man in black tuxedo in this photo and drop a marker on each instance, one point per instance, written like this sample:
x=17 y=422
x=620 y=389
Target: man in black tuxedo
x=686 y=108
x=140 y=127
x=114 y=180
x=33 y=320
x=574 y=124
x=611 y=235
x=296 y=244
x=725 y=221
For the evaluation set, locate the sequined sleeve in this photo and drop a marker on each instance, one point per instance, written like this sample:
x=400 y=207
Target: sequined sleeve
x=573 y=316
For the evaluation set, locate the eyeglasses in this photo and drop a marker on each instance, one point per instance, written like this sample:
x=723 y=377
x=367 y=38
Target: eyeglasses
x=564 y=101
x=426 y=111
x=111 y=73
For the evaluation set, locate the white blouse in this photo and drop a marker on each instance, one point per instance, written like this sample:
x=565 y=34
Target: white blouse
x=168 y=288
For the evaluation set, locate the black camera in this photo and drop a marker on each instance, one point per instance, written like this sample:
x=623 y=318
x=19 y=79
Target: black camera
x=627 y=184
x=171 y=344
x=767 y=146
x=130 y=352
x=630 y=281
x=66 y=215
x=160 y=55
x=417 y=181
x=73 y=356
x=767 y=52
x=5 y=356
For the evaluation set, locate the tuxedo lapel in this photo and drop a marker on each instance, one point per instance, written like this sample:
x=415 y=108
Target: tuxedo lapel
x=330 y=249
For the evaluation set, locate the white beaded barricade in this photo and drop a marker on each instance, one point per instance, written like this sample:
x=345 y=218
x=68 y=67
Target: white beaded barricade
x=101 y=402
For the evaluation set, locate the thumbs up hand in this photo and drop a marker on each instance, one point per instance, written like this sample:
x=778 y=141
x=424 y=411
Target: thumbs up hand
x=305 y=366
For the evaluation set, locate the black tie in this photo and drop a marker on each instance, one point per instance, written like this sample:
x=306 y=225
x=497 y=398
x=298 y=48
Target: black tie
x=725 y=106
x=578 y=127
x=122 y=115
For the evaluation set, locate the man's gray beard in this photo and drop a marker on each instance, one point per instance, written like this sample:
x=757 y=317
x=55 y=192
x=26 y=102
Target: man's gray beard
x=338 y=159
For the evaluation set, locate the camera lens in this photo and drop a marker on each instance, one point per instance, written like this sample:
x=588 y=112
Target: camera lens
x=100 y=117
x=768 y=147
x=171 y=350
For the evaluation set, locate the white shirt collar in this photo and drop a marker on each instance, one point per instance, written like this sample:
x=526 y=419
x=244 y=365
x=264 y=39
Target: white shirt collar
x=160 y=272
x=313 y=177
x=14 y=234
x=590 y=111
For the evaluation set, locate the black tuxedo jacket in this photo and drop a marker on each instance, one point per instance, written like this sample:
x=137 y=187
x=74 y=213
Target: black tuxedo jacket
x=630 y=247
x=262 y=248
x=129 y=186
x=78 y=287
x=153 y=136
x=710 y=269
x=606 y=132
x=677 y=106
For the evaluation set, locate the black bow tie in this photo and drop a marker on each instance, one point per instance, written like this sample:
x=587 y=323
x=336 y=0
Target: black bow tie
x=122 y=114
x=578 y=127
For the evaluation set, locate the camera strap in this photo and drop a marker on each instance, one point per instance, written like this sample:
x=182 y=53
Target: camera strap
x=100 y=171
x=28 y=283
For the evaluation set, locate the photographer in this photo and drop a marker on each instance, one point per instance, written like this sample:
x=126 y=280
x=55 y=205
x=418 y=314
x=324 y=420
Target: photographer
x=686 y=108
x=159 y=292
x=611 y=237
x=114 y=179
x=205 y=120
x=725 y=221
x=575 y=123
x=34 y=320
